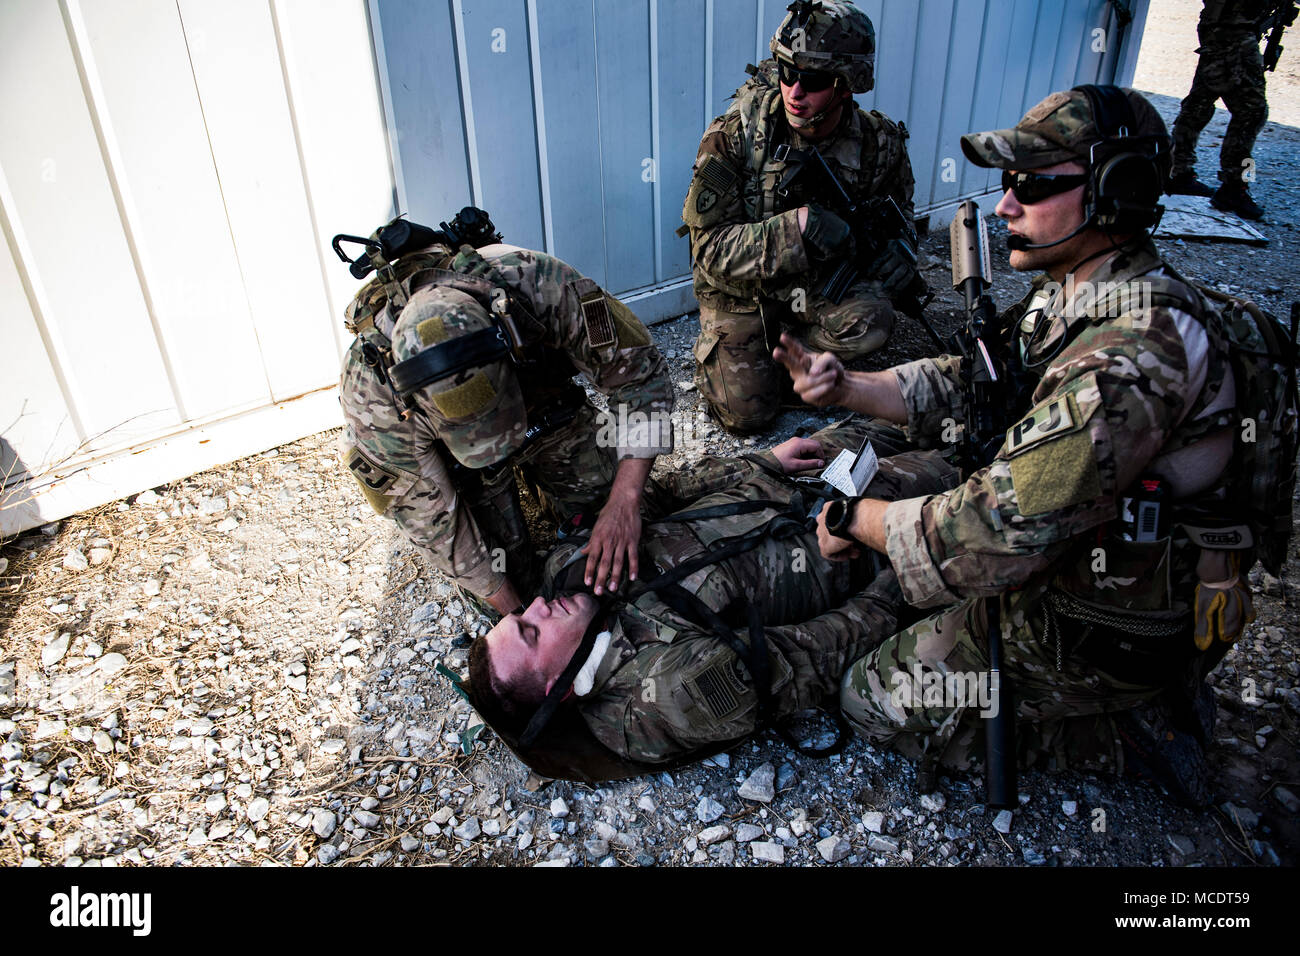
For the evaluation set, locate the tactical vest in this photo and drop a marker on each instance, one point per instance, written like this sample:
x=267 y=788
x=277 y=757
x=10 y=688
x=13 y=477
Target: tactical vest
x=373 y=312
x=1247 y=510
x=761 y=115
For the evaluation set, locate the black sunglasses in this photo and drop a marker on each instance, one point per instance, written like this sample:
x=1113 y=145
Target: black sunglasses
x=1035 y=187
x=814 y=81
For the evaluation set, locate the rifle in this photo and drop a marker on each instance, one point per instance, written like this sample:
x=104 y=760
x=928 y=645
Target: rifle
x=874 y=223
x=987 y=399
x=1283 y=15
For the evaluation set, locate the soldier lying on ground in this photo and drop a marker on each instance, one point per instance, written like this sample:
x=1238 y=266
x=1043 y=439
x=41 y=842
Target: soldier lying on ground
x=663 y=680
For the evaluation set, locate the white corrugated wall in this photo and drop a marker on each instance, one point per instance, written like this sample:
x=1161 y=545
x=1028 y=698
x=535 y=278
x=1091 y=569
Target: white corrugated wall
x=169 y=176
x=171 y=172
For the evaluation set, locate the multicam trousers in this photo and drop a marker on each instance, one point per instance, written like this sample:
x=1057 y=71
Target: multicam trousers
x=1233 y=72
x=735 y=372
x=924 y=690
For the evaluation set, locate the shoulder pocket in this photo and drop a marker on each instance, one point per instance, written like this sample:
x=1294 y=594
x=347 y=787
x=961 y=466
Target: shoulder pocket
x=1050 y=451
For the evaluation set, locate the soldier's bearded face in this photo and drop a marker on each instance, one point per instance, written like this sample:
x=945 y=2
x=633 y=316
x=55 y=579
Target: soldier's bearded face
x=1047 y=221
x=542 y=639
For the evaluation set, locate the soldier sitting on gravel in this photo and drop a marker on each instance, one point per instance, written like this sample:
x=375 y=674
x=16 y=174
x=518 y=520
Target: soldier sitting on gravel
x=769 y=230
x=668 y=674
x=461 y=377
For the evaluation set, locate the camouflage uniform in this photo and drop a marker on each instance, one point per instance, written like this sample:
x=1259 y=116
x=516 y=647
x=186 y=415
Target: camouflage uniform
x=459 y=517
x=1231 y=68
x=748 y=251
x=665 y=686
x=1093 y=624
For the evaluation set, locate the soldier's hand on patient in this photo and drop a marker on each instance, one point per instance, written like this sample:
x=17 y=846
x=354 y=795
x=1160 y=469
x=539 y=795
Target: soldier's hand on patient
x=799 y=454
x=818 y=377
x=613 y=545
x=833 y=547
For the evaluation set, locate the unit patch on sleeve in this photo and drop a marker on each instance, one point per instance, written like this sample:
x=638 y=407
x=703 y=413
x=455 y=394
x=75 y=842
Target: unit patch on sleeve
x=374 y=479
x=720 y=689
x=595 y=313
x=1054 y=418
x=1052 y=461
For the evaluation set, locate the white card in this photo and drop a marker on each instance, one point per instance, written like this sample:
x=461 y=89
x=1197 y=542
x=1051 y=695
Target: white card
x=850 y=474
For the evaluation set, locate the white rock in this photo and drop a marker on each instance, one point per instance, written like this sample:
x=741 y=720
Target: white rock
x=747 y=832
x=882 y=844
x=443 y=815
x=709 y=810
x=49 y=728
x=100 y=555
x=1002 y=822
x=833 y=848
x=110 y=664
x=409 y=844
x=323 y=823
x=103 y=742
x=714 y=834
x=215 y=803
x=327 y=854
x=933 y=802
x=332 y=746
x=74 y=560
x=644 y=802
x=258 y=808
x=53 y=652
x=469 y=830
x=768 y=852
x=760 y=786
x=1069 y=807
x=559 y=809
x=874 y=821
x=220 y=830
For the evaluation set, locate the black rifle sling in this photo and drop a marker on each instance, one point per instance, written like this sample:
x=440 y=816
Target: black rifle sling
x=755 y=654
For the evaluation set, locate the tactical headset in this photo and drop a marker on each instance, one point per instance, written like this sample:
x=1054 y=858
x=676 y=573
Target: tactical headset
x=1126 y=172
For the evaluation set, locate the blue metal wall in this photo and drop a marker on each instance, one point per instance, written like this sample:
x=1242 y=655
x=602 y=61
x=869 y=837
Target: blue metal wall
x=575 y=122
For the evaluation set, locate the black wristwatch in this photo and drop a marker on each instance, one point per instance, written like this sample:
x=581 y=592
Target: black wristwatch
x=839 y=517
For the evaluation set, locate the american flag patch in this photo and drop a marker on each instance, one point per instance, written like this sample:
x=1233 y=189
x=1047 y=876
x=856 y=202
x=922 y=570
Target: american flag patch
x=595 y=313
x=720 y=689
x=717 y=175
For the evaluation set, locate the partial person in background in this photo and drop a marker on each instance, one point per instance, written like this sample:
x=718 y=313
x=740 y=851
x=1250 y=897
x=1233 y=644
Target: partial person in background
x=1230 y=68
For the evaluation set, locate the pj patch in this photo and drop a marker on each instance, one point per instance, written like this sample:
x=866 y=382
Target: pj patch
x=1051 y=456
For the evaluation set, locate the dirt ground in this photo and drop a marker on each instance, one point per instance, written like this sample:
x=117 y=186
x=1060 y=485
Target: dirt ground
x=241 y=668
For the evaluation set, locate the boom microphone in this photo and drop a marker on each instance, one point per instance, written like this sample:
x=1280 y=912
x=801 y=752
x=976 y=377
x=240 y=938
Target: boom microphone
x=1015 y=243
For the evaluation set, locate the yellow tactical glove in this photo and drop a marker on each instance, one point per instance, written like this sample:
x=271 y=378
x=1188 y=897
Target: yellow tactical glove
x=1223 y=609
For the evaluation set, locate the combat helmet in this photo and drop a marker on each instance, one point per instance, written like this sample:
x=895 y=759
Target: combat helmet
x=830 y=36
x=454 y=361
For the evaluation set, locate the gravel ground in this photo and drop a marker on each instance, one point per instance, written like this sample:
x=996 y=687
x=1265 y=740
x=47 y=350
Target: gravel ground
x=240 y=668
